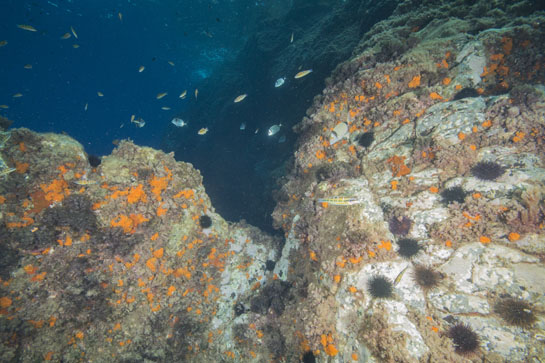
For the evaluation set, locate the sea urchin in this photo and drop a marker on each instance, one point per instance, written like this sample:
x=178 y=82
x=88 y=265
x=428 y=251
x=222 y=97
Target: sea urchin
x=400 y=225
x=205 y=221
x=408 y=247
x=487 y=170
x=464 y=338
x=453 y=194
x=426 y=277
x=366 y=139
x=380 y=287
x=515 y=312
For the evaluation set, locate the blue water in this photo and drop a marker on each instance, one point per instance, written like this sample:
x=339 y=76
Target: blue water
x=224 y=48
x=64 y=79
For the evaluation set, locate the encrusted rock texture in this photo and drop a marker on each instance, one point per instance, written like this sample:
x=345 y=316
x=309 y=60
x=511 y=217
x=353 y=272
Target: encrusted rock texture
x=438 y=129
x=413 y=219
x=125 y=261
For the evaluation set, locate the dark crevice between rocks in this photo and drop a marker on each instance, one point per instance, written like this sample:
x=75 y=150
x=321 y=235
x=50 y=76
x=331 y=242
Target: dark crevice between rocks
x=240 y=167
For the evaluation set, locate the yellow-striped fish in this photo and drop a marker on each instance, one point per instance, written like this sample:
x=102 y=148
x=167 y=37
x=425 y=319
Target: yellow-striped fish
x=141 y=69
x=340 y=200
x=302 y=73
x=85 y=182
x=183 y=94
x=400 y=276
x=7 y=171
x=161 y=95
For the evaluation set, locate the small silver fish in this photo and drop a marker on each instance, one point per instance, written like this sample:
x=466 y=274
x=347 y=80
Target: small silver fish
x=274 y=129
x=178 y=122
x=243 y=126
x=279 y=82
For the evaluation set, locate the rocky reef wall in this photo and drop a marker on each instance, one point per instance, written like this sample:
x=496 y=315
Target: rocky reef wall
x=413 y=220
x=414 y=211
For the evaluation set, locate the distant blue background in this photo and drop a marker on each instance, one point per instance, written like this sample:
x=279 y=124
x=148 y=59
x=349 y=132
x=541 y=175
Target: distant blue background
x=64 y=79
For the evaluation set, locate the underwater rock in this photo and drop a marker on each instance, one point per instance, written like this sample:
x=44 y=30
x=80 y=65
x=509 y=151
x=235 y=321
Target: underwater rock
x=436 y=105
x=135 y=277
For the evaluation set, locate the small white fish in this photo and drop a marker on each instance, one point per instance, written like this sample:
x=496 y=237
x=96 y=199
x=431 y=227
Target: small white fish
x=141 y=69
x=196 y=92
x=86 y=106
x=171 y=63
x=183 y=94
x=178 y=122
x=120 y=16
x=66 y=36
x=161 y=95
x=139 y=122
x=100 y=94
x=274 y=129
x=165 y=108
x=243 y=126
x=279 y=82
x=30 y=28
x=256 y=131
x=203 y=131
x=291 y=38
x=303 y=73
x=17 y=95
x=240 y=98
x=74 y=32
x=132 y=118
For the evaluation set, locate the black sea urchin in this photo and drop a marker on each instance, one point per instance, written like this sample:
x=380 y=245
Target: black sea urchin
x=400 y=225
x=426 y=277
x=408 y=247
x=205 y=221
x=464 y=338
x=515 y=312
x=487 y=170
x=309 y=357
x=380 y=287
x=366 y=139
x=453 y=194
